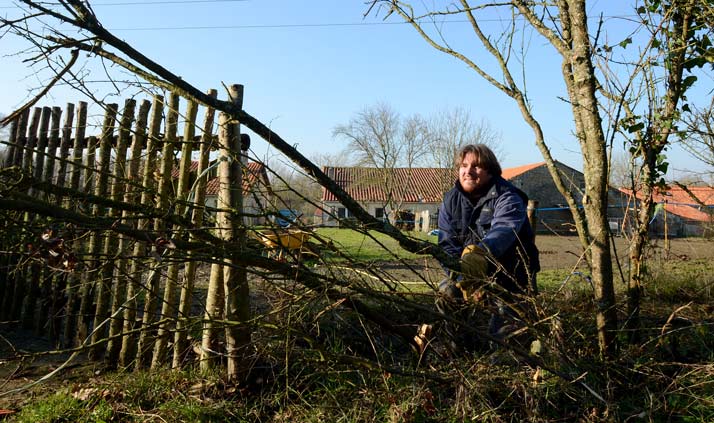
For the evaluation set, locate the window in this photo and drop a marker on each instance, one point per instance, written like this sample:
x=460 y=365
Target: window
x=379 y=213
x=341 y=212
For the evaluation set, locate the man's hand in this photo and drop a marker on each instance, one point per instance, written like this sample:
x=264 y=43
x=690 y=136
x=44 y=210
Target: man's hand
x=474 y=263
x=474 y=267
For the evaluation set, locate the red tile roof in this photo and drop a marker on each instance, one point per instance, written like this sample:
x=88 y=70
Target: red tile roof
x=416 y=184
x=512 y=172
x=253 y=173
x=680 y=203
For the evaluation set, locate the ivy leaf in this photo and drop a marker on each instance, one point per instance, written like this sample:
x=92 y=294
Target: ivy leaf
x=636 y=127
x=625 y=42
x=688 y=82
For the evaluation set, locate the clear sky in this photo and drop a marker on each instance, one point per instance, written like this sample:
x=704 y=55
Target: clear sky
x=308 y=66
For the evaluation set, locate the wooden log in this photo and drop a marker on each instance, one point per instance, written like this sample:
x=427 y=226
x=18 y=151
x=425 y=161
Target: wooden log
x=46 y=312
x=20 y=286
x=7 y=285
x=168 y=306
x=11 y=143
x=214 y=295
x=213 y=313
x=29 y=306
x=77 y=147
x=532 y=213
x=48 y=171
x=235 y=284
x=42 y=141
x=21 y=139
x=129 y=343
x=182 y=193
x=123 y=298
x=144 y=344
x=73 y=279
x=115 y=245
x=31 y=140
x=115 y=185
x=101 y=180
x=65 y=144
x=23 y=158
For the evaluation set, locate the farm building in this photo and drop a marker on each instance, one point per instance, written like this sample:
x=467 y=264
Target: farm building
x=424 y=188
x=682 y=211
x=418 y=192
x=257 y=193
x=553 y=212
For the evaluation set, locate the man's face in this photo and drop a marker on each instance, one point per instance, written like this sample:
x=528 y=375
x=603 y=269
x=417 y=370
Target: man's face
x=471 y=176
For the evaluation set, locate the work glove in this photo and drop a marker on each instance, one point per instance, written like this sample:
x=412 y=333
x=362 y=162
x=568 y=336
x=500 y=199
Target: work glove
x=474 y=268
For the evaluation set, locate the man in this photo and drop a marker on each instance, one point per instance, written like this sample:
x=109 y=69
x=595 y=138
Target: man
x=483 y=221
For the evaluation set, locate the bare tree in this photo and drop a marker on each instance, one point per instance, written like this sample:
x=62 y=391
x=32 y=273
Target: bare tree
x=622 y=171
x=380 y=138
x=698 y=134
x=294 y=189
x=373 y=136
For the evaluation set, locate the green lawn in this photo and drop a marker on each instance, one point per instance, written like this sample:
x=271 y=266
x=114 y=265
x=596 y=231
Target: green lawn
x=370 y=246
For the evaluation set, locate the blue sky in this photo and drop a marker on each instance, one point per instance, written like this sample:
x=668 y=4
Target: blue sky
x=309 y=66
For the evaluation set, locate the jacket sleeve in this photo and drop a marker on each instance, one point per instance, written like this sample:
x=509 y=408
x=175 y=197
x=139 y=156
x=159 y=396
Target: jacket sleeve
x=509 y=215
x=449 y=239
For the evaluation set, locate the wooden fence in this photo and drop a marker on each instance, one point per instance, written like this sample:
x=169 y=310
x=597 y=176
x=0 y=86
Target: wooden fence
x=88 y=257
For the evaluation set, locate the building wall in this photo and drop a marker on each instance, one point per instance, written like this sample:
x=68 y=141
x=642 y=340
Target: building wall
x=554 y=214
x=423 y=211
x=250 y=206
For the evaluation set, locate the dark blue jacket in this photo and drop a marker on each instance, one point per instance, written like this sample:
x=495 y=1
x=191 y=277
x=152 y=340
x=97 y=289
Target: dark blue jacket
x=498 y=223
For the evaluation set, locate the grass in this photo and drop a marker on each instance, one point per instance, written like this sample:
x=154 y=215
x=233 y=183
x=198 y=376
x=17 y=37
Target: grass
x=325 y=364
x=370 y=246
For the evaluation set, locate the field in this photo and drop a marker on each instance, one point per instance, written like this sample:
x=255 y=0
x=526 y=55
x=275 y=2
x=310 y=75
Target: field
x=322 y=364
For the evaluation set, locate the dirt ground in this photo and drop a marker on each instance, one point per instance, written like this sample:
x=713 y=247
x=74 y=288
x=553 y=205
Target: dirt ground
x=561 y=252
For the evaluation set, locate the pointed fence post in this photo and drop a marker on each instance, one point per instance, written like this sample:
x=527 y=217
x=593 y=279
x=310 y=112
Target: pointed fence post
x=73 y=279
x=21 y=139
x=101 y=180
x=115 y=273
x=183 y=197
x=168 y=306
x=132 y=344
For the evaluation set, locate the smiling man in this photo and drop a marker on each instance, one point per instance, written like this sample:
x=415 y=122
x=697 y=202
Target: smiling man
x=483 y=221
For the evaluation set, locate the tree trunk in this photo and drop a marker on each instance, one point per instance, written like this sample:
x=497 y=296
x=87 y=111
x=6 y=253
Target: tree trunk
x=589 y=131
x=235 y=283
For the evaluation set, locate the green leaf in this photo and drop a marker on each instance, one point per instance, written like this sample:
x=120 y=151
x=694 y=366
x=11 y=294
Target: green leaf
x=625 y=42
x=656 y=43
x=688 y=81
x=636 y=127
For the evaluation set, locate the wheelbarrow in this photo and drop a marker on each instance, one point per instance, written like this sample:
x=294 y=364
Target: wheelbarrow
x=281 y=242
